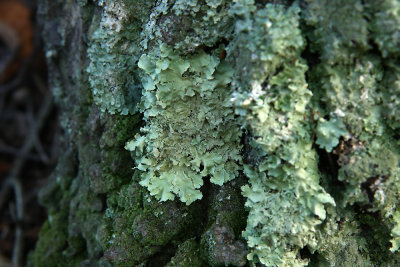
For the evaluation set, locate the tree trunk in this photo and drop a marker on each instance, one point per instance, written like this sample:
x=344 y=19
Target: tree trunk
x=216 y=132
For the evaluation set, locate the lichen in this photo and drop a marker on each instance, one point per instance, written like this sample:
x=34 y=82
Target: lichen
x=113 y=53
x=329 y=132
x=384 y=26
x=194 y=104
x=341 y=29
x=359 y=90
x=191 y=131
x=188 y=25
x=390 y=88
x=286 y=203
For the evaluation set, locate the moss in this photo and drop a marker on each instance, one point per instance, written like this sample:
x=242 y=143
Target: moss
x=345 y=246
x=390 y=88
x=187 y=255
x=53 y=240
x=377 y=236
x=227 y=206
x=220 y=246
x=101 y=156
x=222 y=242
x=136 y=226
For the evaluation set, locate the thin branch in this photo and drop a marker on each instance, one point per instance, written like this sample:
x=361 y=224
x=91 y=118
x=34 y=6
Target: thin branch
x=13 y=151
x=12 y=181
x=4 y=88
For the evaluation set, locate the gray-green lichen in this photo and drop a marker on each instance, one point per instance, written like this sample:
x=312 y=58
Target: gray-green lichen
x=187 y=25
x=353 y=84
x=191 y=131
x=113 y=53
x=384 y=26
x=286 y=202
x=340 y=29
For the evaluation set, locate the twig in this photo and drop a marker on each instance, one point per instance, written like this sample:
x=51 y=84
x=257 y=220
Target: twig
x=4 y=88
x=14 y=183
x=37 y=144
x=2 y=99
x=13 y=151
x=55 y=145
x=12 y=180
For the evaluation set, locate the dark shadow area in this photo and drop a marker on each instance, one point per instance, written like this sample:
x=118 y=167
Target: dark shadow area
x=30 y=132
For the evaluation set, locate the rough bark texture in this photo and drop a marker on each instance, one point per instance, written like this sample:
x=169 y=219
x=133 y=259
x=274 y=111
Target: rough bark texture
x=261 y=132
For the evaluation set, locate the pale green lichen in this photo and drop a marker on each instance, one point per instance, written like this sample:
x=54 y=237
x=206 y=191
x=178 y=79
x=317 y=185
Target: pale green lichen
x=329 y=132
x=396 y=232
x=191 y=131
x=349 y=91
x=286 y=203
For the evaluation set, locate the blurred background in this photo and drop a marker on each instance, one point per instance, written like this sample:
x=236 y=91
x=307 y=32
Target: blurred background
x=29 y=130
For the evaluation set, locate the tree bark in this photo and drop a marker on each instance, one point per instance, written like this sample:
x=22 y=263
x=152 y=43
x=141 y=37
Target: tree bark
x=300 y=160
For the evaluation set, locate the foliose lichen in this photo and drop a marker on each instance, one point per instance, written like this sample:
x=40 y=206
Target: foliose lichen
x=329 y=133
x=113 y=52
x=358 y=86
x=341 y=29
x=384 y=26
x=286 y=203
x=191 y=131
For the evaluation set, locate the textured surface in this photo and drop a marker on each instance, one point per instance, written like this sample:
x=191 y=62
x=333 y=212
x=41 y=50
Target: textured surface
x=261 y=132
x=191 y=131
